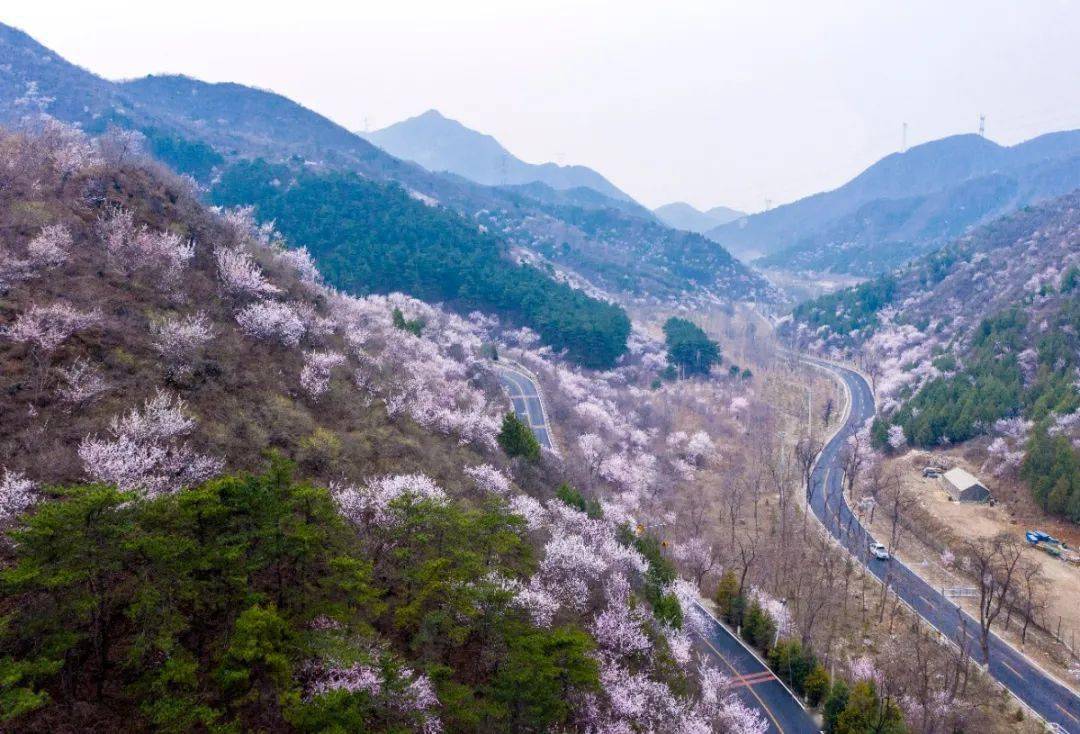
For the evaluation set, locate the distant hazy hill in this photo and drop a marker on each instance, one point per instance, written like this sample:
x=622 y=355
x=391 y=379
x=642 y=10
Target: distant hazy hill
x=199 y=128
x=681 y=215
x=907 y=204
x=440 y=144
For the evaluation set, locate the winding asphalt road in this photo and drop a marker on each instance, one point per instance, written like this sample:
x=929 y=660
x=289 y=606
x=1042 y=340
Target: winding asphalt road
x=1050 y=699
x=525 y=396
x=753 y=681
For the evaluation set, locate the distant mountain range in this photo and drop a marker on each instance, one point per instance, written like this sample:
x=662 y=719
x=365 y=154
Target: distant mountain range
x=200 y=128
x=440 y=144
x=906 y=204
x=681 y=215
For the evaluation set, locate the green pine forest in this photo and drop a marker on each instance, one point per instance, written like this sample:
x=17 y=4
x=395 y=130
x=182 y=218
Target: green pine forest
x=368 y=236
x=990 y=384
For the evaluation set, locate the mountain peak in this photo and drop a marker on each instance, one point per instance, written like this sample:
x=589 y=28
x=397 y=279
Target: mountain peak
x=681 y=215
x=440 y=143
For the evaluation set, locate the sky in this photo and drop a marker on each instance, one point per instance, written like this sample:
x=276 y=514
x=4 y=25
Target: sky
x=723 y=102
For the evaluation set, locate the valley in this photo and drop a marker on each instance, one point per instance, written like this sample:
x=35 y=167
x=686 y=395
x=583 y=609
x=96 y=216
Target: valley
x=311 y=430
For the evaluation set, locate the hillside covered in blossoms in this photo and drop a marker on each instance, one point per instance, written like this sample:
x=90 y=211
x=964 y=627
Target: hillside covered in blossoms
x=977 y=342
x=236 y=497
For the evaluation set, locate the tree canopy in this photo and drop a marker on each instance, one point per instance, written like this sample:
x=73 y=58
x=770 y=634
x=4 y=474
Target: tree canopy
x=689 y=347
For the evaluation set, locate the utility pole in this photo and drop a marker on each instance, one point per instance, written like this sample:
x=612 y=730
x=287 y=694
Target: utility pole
x=982 y=126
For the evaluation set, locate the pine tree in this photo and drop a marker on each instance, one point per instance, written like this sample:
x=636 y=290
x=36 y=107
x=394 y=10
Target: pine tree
x=517 y=439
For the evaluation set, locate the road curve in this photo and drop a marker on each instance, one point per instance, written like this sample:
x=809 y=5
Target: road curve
x=1041 y=692
x=752 y=680
x=524 y=394
x=755 y=683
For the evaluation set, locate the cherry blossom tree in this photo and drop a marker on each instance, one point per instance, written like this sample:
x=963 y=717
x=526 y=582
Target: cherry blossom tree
x=489 y=479
x=146 y=452
x=51 y=247
x=698 y=556
x=81 y=383
x=45 y=328
x=370 y=505
x=315 y=376
x=272 y=321
x=240 y=276
x=16 y=495
x=400 y=692
x=179 y=341
x=896 y=438
x=299 y=260
x=133 y=247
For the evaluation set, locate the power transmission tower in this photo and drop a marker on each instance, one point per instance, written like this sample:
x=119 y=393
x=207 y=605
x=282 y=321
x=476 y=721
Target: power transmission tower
x=982 y=126
x=768 y=203
x=903 y=139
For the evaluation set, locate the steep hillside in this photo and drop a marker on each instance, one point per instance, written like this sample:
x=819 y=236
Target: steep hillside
x=192 y=125
x=415 y=578
x=681 y=215
x=368 y=237
x=907 y=204
x=976 y=340
x=441 y=144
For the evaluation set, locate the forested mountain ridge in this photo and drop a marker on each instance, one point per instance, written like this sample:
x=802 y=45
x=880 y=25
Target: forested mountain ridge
x=976 y=340
x=190 y=124
x=440 y=144
x=233 y=498
x=373 y=238
x=907 y=204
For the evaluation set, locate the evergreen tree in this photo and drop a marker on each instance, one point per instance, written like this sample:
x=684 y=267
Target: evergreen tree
x=816 y=685
x=517 y=439
x=835 y=704
x=689 y=348
x=726 y=591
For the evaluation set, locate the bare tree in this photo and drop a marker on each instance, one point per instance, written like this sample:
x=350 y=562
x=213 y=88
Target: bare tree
x=747 y=551
x=854 y=459
x=827 y=411
x=870 y=363
x=995 y=564
x=806 y=453
x=1031 y=594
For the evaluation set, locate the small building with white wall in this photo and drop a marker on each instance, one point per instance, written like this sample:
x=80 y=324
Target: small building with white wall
x=963 y=487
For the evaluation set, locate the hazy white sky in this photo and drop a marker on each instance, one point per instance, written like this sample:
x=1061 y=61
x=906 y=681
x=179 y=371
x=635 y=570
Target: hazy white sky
x=717 y=102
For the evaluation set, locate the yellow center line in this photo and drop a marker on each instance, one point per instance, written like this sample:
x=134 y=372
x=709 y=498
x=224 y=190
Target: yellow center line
x=765 y=706
x=928 y=602
x=1015 y=672
x=1062 y=710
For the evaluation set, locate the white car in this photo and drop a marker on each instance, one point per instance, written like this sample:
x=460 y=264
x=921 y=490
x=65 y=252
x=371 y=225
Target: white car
x=878 y=551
